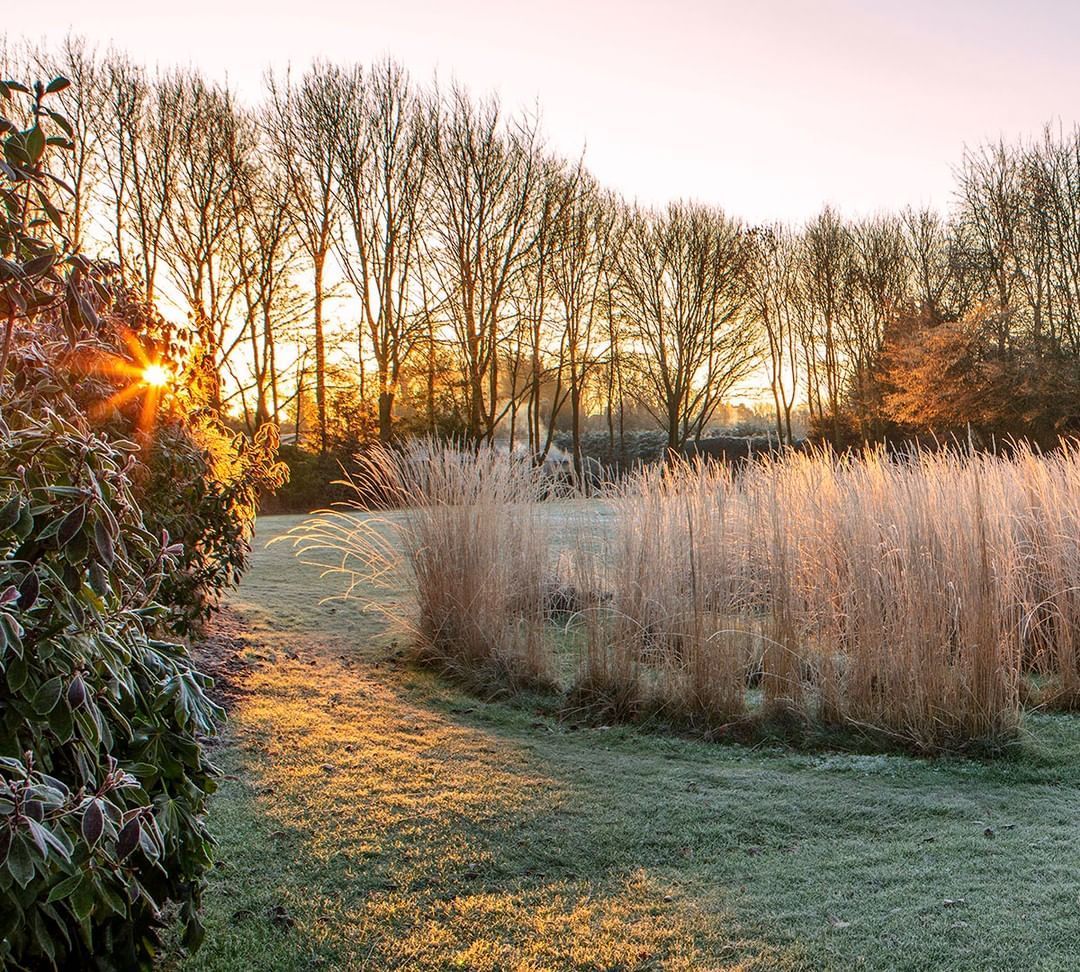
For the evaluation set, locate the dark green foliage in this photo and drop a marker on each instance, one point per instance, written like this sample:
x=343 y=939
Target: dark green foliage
x=103 y=782
x=646 y=446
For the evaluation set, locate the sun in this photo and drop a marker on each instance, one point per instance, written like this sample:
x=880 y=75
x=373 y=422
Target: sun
x=140 y=374
x=155 y=376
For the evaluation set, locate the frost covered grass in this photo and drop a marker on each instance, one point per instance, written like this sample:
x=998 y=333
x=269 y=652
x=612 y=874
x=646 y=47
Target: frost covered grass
x=374 y=816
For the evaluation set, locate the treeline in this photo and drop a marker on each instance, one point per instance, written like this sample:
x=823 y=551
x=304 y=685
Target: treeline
x=362 y=255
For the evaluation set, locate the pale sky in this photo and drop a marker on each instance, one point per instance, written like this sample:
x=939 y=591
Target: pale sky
x=769 y=108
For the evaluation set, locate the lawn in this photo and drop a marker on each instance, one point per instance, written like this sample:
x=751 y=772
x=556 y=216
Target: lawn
x=374 y=817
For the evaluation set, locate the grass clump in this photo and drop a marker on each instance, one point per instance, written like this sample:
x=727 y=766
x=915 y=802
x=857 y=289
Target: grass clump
x=676 y=631
x=470 y=544
x=885 y=583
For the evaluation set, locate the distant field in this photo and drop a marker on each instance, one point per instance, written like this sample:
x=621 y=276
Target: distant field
x=372 y=817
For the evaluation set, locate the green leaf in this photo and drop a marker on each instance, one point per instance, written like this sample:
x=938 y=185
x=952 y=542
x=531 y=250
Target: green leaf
x=9 y=513
x=76 y=695
x=104 y=542
x=20 y=863
x=194 y=933
x=63 y=123
x=35 y=144
x=43 y=936
x=70 y=526
x=46 y=697
x=61 y=722
x=25 y=524
x=16 y=674
x=29 y=589
x=54 y=214
x=116 y=904
x=57 y=84
x=39 y=265
x=82 y=899
x=64 y=888
x=128 y=838
x=93 y=822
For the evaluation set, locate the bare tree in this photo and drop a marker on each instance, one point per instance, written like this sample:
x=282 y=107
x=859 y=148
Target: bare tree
x=383 y=194
x=484 y=175
x=541 y=341
x=614 y=366
x=580 y=264
x=271 y=303
x=992 y=204
x=680 y=287
x=140 y=158
x=826 y=279
x=304 y=120
x=774 y=300
x=214 y=145
x=1049 y=264
x=878 y=288
x=928 y=240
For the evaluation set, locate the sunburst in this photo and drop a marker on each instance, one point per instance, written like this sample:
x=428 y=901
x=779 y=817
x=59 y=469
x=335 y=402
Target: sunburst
x=143 y=374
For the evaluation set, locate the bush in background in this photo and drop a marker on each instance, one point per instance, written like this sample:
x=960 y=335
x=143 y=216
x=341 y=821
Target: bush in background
x=313 y=482
x=202 y=483
x=643 y=447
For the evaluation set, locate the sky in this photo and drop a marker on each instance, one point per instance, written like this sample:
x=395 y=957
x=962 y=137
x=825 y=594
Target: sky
x=768 y=108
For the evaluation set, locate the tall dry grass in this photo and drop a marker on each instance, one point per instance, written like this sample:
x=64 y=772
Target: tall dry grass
x=466 y=540
x=920 y=598
x=675 y=632
x=1045 y=590
x=861 y=592
x=889 y=576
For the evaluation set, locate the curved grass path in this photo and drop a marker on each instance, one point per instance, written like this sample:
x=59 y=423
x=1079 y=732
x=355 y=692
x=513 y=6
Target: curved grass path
x=374 y=818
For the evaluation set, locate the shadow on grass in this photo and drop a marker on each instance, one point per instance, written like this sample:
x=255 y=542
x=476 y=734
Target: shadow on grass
x=375 y=817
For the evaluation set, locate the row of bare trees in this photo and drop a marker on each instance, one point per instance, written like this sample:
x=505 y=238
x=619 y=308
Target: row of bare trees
x=357 y=238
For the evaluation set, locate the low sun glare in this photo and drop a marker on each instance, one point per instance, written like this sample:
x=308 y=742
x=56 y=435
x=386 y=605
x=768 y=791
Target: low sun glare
x=155 y=375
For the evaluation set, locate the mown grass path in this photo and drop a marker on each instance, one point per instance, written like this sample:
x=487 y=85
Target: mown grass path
x=373 y=817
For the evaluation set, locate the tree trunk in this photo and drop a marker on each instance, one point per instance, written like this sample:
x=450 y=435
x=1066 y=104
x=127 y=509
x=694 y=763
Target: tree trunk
x=386 y=410
x=320 y=355
x=575 y=431
x=779 y=415
x=672 y=432
x=431 y=379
